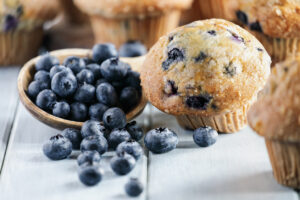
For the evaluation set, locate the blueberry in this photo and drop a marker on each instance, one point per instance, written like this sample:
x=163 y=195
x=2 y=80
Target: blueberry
x=89 y=174
x=99 y=81
x=242 y=17
x=43 y=77
x=205 y=136
x=10 y=22
x=96 y=69
x=92 y=157
x=35 y=88
x=76 y=64
x=134 y=187
x=106 y=94
x=92 y=127
x=88 y=61
x=122 y=163
x=61 y=109
x=198 y=102
x=230 y=70
x=255 y=26
x=212 y=32
x=114 y=118
x=74 y=136
x=133 y=80
x=118 y=85
x=78 y=112
x=45 y=62
x=174 y=55
x=94 y=142
x=200 y=57
x=85 y=76
x=102 y=52
x=161 y=140
x=64 y=84
x=129 y=98
x=85 y=93
x=118 y=136
x=171 y=88
x=114 y=70
x=57 y=148
x=237 y=38
x=131 y=147
x=97 y=110
x=132 y=49
x=46 y=100
x=136 y=132
x=58 y=68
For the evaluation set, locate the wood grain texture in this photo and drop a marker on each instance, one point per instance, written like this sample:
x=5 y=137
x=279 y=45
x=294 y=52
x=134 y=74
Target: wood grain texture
x=8 y=105
x=26 y=76
x=28 y=174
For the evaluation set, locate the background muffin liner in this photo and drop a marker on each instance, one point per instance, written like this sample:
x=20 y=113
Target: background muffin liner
x=225 y=123
x=147 y=29
x=285 y=160
x=17 y=47
x=278 y=48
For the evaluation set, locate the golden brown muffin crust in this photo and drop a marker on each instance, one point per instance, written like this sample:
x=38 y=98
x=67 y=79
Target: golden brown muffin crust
x=207 y=67
x=127 y=8
x=276 y=115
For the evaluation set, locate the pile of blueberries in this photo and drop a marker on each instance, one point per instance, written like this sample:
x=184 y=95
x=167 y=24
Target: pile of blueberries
x=84 y=88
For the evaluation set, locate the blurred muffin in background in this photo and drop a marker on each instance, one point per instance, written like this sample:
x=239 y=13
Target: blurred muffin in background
x=72 y=14
x=121 y=21
x=276 y=23
x=21 y=28
x=205 y=9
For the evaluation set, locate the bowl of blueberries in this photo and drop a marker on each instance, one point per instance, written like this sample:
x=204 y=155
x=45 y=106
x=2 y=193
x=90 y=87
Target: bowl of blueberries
x=65 y=88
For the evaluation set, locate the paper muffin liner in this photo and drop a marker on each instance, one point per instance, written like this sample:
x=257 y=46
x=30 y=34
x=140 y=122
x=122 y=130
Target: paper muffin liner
x=17 y=47
x=285 y=160
x=147 y=29
x=225 y=123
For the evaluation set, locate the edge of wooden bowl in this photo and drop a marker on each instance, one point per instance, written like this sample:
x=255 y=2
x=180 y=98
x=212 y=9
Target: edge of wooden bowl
x=26 y=75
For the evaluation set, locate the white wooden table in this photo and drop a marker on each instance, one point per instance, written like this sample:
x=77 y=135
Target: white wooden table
x=236 y=167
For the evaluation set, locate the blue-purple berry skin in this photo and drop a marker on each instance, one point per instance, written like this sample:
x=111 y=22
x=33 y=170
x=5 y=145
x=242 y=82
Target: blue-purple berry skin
x=61 y=109
x=122 y=163
x=92 y=157
x=114 y=118
x=57 y=148
x=74 y=136
x=134 y=187
x=94 y=142
x=90 y=174
x=205 y=136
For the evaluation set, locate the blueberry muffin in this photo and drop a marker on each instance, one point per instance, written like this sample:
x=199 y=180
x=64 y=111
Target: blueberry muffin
x=21 y=28
x=144 y=20
x=276 y=23
x=206 y=73
x=277 y=119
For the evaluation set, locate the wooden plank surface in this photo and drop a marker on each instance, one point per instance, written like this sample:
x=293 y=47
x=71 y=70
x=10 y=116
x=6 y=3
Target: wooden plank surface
x=28 y=174
x=236 y=167
x=8 y=105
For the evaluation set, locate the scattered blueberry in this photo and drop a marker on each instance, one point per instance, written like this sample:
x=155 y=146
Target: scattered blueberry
x=76 y=64
x=205 y=136
x=136 y=132
x=242 y=17
x=174 y=55
x=74 y=136
x=64 y=84
x=85 y=93
x=61 y=109
x=79 y=112
x=94 y=142
x=198 y=102
x=114 y=70
x=35 y=88
x=102 y=52
x=45 y=62
x=161 y=140
x=89 y=174
x=106 y=94
x=46 y=100
x=57 y=148
x=118 y=136
x=57 y=68
x=92 y=127
x=95 y=68
x=92 y=157
x=85 y=76
x=114 y=118
x=134 y=187
x=97 y=110
x=122 y=163
x=131 y=147
x=132 y=49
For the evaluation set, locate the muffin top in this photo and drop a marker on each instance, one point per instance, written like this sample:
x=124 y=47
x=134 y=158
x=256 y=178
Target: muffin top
x=276 y=115
x=128 y=8
x=26 y=13
x=275 y=18
x=206 y=67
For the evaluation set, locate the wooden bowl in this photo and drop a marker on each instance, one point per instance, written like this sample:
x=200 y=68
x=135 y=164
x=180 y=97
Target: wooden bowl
x=26 y=76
